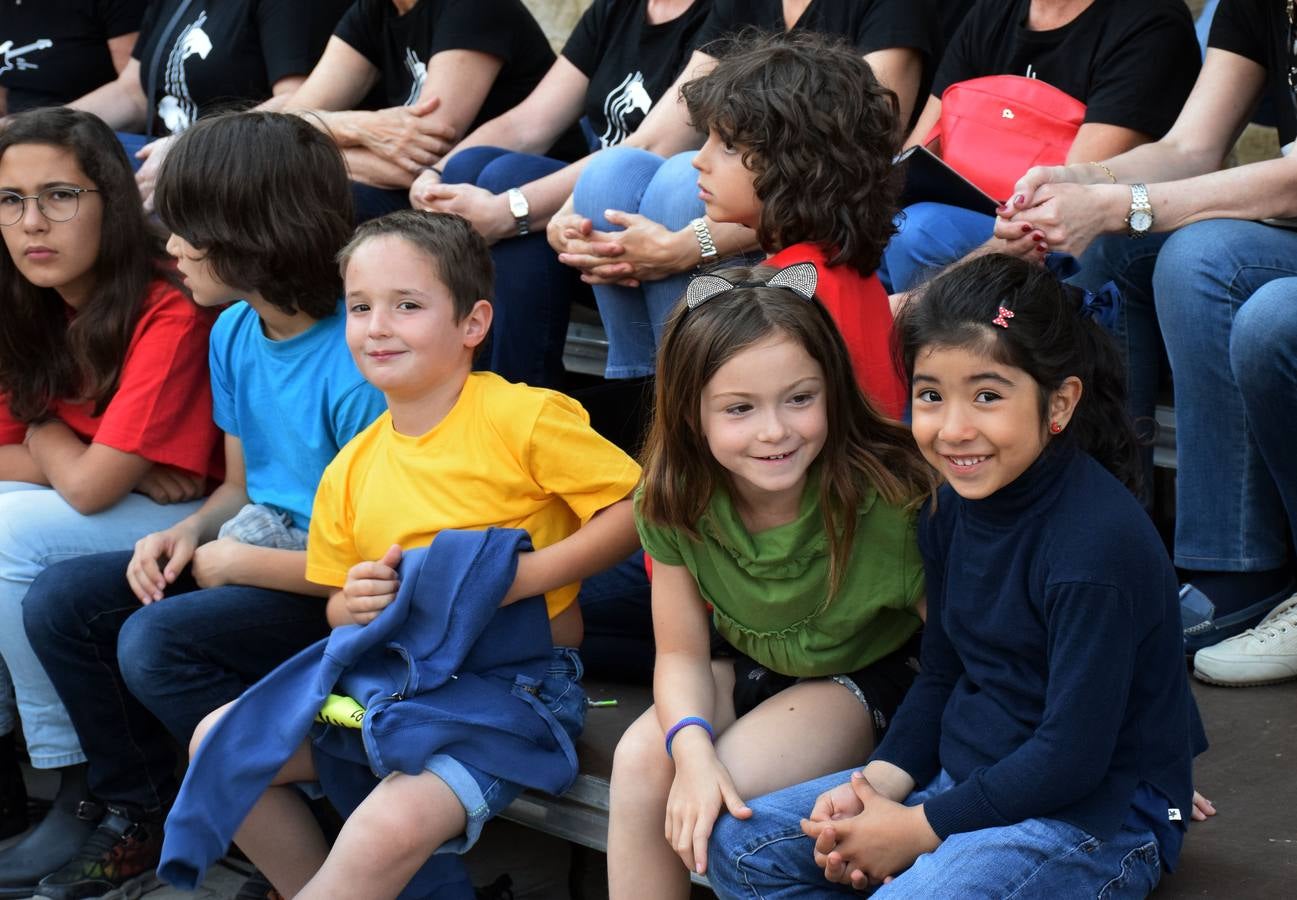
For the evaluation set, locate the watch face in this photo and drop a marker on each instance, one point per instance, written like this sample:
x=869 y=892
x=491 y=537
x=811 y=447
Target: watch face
x=1141 y=220
x=518 y=205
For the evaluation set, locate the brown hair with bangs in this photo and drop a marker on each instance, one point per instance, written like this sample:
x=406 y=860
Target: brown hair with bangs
x=817 y=131
x=265 y=198
x=459 y=254
x=862 y=449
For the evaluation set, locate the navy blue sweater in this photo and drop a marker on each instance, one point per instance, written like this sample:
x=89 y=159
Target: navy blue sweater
x=1053 y=680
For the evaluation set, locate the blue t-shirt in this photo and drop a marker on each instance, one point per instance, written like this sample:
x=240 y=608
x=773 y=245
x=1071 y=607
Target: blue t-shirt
x=292 y=403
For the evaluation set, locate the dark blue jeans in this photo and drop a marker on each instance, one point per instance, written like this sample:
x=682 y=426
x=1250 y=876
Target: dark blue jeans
x=128 y=673
x=533 y=290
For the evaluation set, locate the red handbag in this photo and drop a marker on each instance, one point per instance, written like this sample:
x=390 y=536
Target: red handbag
x=995 y=128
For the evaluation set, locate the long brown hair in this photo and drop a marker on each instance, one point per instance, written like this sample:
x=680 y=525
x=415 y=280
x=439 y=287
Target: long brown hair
x=862 y=449
x=44 y=357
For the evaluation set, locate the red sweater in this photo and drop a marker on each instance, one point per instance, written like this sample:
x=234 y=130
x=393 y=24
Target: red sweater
x=859 y=306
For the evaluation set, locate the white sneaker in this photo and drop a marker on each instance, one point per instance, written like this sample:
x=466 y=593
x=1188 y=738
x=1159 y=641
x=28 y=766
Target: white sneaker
x=1265 y=654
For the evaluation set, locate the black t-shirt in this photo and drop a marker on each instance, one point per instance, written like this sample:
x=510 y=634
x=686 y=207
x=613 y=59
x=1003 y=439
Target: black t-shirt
x=400 y=46
x=197 y=56
x=1260 y=31
x=869 y=25
x=629 y=62
x=1131 y=62
x=56 y=50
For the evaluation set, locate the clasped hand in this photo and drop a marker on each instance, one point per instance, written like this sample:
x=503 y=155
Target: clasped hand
x=407 y=135
x=1052 y=209
x=863 y=838
x=643 y=251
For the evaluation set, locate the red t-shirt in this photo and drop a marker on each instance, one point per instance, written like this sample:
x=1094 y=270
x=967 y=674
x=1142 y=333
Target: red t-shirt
x=162 y=410
x=860 y=307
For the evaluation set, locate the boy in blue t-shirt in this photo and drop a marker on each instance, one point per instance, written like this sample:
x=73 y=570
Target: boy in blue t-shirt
x=258 y=205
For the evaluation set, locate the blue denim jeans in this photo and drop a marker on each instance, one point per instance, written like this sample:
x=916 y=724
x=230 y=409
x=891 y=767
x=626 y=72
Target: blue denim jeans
x=928 y=237
x=485 y=796
x=39 y=528
x=128 y=673
x=1226 y=294
x=666 y=191
x=533 y=290
x=768 y=857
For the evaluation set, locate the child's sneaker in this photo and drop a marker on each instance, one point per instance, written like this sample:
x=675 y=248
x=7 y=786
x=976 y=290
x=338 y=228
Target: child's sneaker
x=1265 y=654
x=116 y=862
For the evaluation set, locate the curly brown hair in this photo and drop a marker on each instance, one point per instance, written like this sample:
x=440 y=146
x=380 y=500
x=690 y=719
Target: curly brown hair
x=818 y=132
x=863 y=451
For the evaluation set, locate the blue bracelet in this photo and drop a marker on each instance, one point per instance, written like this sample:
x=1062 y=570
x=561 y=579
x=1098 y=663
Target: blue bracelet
x=685 y=723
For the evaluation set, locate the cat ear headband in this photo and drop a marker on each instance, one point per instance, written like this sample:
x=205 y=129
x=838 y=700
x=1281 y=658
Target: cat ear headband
x=800 y=278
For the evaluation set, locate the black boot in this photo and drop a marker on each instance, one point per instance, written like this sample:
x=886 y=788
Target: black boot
x=55 y=841
x=13 y=791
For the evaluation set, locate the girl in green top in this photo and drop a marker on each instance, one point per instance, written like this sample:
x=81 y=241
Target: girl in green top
x=777 y=499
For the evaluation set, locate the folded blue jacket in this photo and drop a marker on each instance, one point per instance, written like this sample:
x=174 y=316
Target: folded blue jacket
x=443 y=669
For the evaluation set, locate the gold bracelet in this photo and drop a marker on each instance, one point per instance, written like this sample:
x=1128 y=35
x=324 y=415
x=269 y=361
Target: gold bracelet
x=1106 y=171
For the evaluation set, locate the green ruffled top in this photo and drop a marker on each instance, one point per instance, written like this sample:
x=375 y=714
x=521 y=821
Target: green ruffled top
x=769 y=591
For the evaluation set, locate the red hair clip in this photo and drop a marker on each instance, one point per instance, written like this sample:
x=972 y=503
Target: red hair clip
x=1003 y=318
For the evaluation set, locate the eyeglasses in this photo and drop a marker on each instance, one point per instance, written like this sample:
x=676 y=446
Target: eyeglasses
x=58 y=204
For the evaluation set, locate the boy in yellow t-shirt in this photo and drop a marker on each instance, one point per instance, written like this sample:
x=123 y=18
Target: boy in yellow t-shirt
x=456 y=449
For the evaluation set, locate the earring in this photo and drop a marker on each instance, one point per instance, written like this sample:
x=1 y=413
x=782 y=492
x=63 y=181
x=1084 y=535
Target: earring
x=1055 y=428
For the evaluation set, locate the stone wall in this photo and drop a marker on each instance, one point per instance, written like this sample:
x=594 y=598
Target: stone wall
x=557 y=17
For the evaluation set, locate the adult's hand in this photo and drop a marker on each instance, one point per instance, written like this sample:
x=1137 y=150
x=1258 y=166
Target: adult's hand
x=643 y=251
x=487 y=212
x=568 y=232
x=1070 y=216
x=152 y=153
x=427 y=179
x=406 y=135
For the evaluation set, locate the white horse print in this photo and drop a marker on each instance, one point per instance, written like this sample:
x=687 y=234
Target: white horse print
x=177 y=108
x=625 y=99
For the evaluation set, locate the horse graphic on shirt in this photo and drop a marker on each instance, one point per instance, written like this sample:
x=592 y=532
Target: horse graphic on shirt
x=624 y=100
x=12 y=57
x=418 y=71
x=177 y=108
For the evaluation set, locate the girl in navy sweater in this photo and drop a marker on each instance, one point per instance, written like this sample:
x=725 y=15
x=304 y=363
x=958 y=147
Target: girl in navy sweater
x=1047 y=744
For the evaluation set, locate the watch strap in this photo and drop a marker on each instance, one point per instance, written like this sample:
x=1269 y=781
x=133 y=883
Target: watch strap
x=706 y=246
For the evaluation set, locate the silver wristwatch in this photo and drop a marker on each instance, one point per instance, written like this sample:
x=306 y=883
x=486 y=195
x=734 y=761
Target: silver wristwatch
x=706 y=246
x=520 y=209
x=1140 y=219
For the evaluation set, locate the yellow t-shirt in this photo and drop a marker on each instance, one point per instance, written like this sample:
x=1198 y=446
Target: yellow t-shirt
x=506 y=455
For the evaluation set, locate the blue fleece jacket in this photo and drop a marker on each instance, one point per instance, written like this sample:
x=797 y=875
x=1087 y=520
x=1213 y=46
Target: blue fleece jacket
x=1053 y=679
x=443 y=669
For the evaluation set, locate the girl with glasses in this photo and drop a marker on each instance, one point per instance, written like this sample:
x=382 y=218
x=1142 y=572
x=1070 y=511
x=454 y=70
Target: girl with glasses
x=106 y=430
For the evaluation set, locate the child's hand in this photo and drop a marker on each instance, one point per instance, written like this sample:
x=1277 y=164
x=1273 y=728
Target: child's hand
x=1202 y=808
x=882 y=840
x=371 y=586
x=701 y=787
x=146 y=577
x=218 y=562
x=840 y=802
